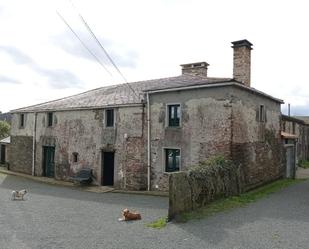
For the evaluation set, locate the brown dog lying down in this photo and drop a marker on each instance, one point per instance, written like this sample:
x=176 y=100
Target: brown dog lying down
x=127 y=215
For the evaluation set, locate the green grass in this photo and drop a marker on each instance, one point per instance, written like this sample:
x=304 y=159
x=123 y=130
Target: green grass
x=304 y=164
x=158 y=224
x=237 y=201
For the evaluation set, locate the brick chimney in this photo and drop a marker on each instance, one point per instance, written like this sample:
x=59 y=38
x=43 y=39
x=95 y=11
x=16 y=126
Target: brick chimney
x=197 y=68
x=242 y=61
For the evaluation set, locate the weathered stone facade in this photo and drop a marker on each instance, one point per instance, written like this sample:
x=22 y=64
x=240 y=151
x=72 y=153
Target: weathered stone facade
x=256 y=141
x=84 y=132
x=300 y=129
x=218 y=121
x=217 y=116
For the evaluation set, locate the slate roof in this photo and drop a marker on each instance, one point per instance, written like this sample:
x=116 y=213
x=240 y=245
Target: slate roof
x=305 y=119
x=121 y=94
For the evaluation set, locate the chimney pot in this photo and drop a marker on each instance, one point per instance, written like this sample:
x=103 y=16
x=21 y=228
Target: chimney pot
x=242 y=61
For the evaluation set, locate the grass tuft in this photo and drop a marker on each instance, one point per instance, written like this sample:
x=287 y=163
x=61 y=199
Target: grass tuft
x=303 y=164
x=158 y=224
x=237 y=201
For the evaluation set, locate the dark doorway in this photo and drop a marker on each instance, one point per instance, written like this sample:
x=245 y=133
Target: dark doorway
x=48 y=161
x=107 y=178
x=2 y=155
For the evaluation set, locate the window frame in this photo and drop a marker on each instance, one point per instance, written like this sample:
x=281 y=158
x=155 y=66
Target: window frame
x=50 y=119
x=262 y=114
x=165 y=160
x=106 y=118
x=167 y=116
x=75 y=157
x=22 y=120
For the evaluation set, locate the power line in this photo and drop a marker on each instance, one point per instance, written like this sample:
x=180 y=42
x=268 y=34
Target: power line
x=85 y=46
x=104 y=50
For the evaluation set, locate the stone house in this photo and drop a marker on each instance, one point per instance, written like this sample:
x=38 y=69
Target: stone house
x=299 y=136
x=133 y=139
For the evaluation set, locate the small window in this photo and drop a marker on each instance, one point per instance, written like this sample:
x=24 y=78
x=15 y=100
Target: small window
x=109 y=115
x=22 y=120
x=173 y=115
x=75 y=157
x=50 y=119
x=172 y=160
x=262 y=113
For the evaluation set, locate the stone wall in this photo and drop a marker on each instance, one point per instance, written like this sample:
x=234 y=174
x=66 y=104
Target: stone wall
x=256 y=145
x=205 y=129
x=21 y=154
x=195 y=188
x=301 y=130
x=84 y=132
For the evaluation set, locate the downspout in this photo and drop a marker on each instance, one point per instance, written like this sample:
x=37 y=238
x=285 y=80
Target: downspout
x=148 y=144
x=34 y=144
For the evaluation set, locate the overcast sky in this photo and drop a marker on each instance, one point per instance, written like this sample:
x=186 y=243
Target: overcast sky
x=41 y=59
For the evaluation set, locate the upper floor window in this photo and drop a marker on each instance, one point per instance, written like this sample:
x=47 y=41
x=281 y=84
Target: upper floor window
x=75 y=157
x=22 y=120
x=173 y=115
x=172 y=160
x=262 y=114
x=110 y=119
x=50 y=117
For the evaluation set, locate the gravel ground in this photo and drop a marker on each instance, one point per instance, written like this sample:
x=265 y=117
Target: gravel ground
x=61 y=217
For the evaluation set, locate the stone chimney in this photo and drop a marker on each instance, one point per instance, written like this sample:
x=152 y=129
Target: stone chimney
x=198 y=68
x=242 y=61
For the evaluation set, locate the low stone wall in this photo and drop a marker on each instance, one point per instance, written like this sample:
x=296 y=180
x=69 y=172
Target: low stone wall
x=189 y=190
x=21 y=154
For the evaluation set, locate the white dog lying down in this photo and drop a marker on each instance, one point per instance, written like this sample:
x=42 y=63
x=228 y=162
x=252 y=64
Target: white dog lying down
x=18 y=194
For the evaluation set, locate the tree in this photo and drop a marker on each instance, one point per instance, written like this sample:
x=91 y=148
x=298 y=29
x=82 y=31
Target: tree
x=4 y=129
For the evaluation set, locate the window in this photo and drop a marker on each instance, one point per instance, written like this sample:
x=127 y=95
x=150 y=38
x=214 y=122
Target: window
x=75 y=157
x=109 y=115
x=173 y=112
x=172 y=160
x=262 y=114
x=50 y=119
x=22 y=120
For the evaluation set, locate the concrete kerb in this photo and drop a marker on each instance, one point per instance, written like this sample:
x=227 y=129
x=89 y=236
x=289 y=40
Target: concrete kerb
x=93 y=189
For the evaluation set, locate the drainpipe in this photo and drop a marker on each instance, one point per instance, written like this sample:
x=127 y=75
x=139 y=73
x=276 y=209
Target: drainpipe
x=148 y=144
x=33 y=144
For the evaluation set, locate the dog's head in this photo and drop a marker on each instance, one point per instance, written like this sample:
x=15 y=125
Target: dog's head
x=125 y=212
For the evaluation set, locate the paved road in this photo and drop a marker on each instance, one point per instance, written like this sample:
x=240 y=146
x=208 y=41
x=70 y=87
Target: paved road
x=59 y=217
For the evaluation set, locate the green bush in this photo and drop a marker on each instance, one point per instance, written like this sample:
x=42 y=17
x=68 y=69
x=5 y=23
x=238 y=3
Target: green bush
x=4 y=129
x=303 y=164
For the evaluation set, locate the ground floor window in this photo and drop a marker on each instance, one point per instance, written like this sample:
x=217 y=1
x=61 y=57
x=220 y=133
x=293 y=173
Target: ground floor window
x=172 y=160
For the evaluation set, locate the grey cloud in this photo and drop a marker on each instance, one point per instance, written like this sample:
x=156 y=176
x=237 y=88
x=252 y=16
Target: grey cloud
x=296 y=110
x=5 y=79
x=57 y=78
x=18 y=56
x=70 y=44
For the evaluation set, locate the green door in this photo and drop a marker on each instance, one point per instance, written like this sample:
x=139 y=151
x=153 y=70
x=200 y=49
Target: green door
x=48 y=161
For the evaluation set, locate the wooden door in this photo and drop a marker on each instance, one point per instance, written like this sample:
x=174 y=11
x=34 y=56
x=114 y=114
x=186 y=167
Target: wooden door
x=48 y=161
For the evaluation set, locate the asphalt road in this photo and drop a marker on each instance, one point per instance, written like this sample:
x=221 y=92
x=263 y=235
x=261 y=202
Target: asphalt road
x=61 y=217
